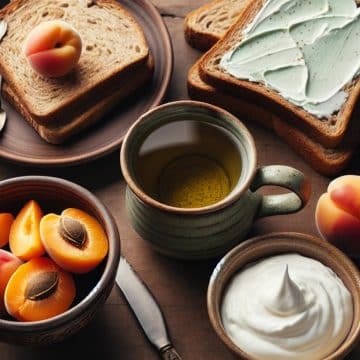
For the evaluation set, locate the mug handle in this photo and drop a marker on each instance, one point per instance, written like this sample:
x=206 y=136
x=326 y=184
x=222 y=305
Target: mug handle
x=286 y=177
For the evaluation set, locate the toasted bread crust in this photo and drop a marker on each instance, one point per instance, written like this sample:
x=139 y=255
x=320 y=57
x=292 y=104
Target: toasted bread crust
x=79 y=96
x=326 y=161
x=196 y=37
x=219 y=16
x=59 y=134
x=199 y=40
x=329 y=133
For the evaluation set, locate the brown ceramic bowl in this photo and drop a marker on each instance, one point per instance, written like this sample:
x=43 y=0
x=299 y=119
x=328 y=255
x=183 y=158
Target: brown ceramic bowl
x=275 y=244
x=54 y=195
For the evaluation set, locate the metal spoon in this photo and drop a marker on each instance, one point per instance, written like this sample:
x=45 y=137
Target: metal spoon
x=3 y=30
x=2 y=111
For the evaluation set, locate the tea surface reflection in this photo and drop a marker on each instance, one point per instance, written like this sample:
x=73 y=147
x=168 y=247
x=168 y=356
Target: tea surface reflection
x=189 y=164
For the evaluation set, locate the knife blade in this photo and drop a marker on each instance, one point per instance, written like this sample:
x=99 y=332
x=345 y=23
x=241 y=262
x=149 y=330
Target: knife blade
x=146 y=309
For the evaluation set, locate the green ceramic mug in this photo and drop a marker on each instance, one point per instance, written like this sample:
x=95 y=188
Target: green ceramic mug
x=189 y=131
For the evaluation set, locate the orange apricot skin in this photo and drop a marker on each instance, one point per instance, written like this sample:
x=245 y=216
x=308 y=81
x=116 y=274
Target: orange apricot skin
x=53 y=48
x=8 y=265
x=67 y=256
x=23 y=309
x=24 y=239
x=338 y=214
x=6 y=220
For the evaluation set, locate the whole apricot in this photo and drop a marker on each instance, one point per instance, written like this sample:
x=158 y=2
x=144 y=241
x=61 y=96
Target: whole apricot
x=338 y=214
x=53 y=48
x=8 y=264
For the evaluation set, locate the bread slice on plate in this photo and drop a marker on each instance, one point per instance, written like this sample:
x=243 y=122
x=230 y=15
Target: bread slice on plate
x=324 y=160
x=209 y=23
x=57 y=134
x=114 y=49
x=328 y=131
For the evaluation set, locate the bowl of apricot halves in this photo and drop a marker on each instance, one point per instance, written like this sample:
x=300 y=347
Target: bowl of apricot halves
x=59 y=252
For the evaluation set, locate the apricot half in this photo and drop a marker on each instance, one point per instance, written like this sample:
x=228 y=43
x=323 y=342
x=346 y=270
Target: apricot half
x=74 y=240
x=39 y=290
x=8 y=264
x=6 y=220
x=24 y=239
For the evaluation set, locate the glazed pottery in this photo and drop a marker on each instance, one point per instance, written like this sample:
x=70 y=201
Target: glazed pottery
x=198 y=233
x=54 y=195
x=281 y=243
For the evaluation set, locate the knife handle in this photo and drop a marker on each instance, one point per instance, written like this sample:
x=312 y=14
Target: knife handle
x=168 y=352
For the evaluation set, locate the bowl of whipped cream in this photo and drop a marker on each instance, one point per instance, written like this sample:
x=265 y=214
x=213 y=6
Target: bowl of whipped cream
x=286 y=296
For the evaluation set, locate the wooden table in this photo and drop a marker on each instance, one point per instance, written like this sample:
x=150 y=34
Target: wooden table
x=180 y=287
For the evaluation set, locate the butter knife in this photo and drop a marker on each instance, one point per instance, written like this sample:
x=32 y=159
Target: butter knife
x=146 y=310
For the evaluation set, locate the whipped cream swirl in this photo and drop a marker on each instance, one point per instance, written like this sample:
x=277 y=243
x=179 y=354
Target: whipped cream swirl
x=287 y=307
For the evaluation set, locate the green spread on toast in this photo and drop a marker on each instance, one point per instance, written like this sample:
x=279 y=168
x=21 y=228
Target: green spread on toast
x=307 y=50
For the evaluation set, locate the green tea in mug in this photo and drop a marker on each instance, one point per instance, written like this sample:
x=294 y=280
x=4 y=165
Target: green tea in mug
x=189 y=164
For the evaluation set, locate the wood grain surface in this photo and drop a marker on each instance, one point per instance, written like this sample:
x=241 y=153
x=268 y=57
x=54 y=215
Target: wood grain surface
x=180 y=287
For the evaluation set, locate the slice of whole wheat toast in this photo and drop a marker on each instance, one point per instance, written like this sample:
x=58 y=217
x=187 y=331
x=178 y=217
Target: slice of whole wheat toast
x=324 y=160
x=114 y=46
x=209 y=23
x=328 y=132
x=58 y=134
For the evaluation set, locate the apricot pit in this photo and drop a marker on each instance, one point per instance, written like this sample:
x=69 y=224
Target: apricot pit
x=72 y=230
x=41 y=285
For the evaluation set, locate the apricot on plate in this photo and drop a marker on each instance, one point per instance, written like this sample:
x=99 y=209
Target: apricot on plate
x=8 y=264
x=39 y=290
x=53 y=48
x=74 y=240
x=24 y=239
x=6 y=220
x=338 y=214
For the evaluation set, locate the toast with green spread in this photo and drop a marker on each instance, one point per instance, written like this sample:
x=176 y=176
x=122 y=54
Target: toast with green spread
x=238 y=63
x=327 y=161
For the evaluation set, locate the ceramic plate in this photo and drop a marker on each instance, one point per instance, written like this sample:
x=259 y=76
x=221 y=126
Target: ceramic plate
x=20 y=143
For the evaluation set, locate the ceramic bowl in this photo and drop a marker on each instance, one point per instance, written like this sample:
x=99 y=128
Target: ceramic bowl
x=54 y=194
x=275 y=244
